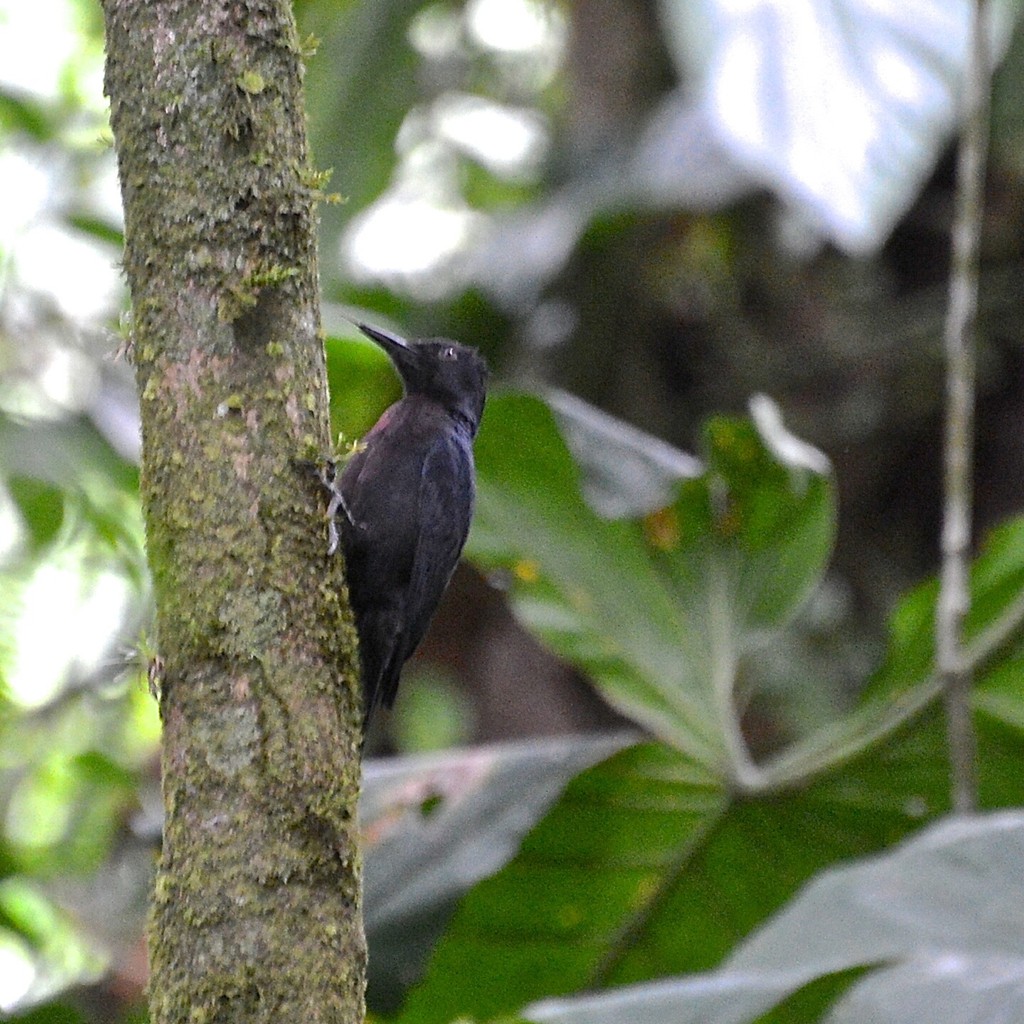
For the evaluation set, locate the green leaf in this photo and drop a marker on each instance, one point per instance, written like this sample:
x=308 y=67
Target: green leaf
x=547 y=921
x=586 y=585
x=103 y=771
x=649 y=867
x=41 y=506
x=655 y=863
x=50 y=1013
x=435 y=824
x=905 y=682
x=18 y=113
x=97 y=228
x=65 y=475
x=940 y=912
x=711 y=879
x=363 y=384
x=663 y=612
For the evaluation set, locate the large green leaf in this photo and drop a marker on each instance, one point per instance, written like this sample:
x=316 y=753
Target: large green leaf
x=661 y=860
x=590 y=870
x=435 y=824
x=648 y=867
x=941 y=913
x=664 y=612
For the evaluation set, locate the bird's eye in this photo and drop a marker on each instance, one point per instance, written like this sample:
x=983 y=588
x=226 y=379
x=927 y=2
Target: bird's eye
x=449 y=353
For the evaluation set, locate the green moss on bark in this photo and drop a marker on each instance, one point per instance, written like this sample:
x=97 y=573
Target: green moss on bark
x=256 y=905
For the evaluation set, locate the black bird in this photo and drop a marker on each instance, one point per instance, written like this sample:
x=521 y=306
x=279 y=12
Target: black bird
x=404 y=503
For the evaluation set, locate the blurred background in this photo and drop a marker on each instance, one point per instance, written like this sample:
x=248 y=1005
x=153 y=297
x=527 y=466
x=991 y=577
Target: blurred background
x=662 y=208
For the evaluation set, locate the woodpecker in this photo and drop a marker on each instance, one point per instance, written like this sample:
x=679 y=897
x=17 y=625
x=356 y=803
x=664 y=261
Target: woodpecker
x=404 y=501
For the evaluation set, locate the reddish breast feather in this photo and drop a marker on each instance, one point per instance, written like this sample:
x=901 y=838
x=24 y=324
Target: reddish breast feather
x=414 y=417
x=385 y=418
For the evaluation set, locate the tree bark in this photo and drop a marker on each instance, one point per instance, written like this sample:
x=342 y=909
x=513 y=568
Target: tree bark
x=256 y=911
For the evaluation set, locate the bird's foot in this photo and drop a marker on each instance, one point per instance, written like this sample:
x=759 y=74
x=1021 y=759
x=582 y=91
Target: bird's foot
x=330 y=479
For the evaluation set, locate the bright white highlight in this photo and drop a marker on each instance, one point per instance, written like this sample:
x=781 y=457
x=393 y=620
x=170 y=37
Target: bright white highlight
x=503 y=139
x=64 y=622
x=515 y=26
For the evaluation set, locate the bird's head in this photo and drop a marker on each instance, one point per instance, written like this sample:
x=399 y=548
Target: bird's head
x=453 y=375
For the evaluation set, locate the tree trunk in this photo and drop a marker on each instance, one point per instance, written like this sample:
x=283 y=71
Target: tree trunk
x=256 y=911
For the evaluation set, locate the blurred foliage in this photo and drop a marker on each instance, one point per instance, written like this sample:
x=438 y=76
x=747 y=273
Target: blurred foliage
x=78 y=730
x=655 y=863
x=569 y=187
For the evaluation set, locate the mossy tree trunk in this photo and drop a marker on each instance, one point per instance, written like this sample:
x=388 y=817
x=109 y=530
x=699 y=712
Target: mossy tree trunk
x=256 y=911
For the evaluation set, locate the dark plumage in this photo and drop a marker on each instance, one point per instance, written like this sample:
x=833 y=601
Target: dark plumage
x=405 y=500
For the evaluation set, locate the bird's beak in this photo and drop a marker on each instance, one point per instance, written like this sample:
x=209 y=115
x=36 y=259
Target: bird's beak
x=391 y=343
x=404 y=357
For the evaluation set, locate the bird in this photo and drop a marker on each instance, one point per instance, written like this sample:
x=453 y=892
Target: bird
x=403 y=502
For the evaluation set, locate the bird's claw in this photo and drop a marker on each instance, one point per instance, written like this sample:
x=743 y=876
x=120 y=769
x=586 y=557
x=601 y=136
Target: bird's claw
x=329 y=479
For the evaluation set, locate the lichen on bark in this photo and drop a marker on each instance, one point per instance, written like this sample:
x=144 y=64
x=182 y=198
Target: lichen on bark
x=256 y=908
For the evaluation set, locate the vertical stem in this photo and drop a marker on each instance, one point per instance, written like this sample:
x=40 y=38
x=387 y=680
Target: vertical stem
x=960 y=340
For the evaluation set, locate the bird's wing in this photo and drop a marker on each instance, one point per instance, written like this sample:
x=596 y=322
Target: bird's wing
x=380 y=546
x=446 y=495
